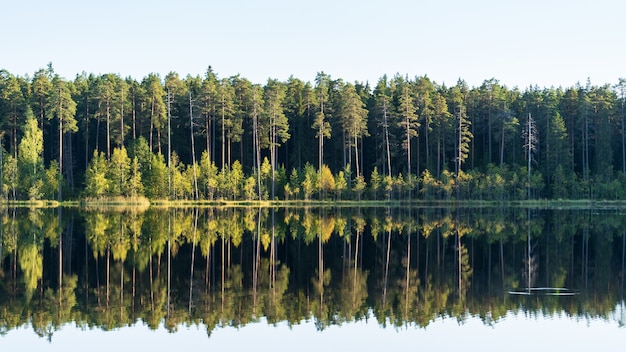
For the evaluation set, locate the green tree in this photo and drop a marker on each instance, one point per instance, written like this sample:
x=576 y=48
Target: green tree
x=310 y=181
x=52 y=180
x=156 y=107
x=242 y=94
x=353 y=121
x=181 y=184
x=321 y=124
x=41 y=87
x=226 y=95
x=96 y=180
x=530 y=147
x=136 y=97
x=375 y=183
x=407 y=110
x=11 y=176
x=236 y=179
x=135 y=186
x=326 y=181
x=63 y=108
x=463 y=133
x=30 y=158
x=208 y=101
x=208 y=175
x=12 y=105
x=277 y=124
x=443 y=127
x=119 y=172
x=155 y=180
x=107 y=96
x=299 y=105
x=383 y=115
x=425 y=91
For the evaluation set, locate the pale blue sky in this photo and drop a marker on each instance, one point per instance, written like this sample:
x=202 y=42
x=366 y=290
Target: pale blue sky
x=520 y=43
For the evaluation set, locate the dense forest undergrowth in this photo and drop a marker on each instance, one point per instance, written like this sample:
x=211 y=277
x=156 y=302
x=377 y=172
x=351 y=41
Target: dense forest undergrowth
x=211 y=139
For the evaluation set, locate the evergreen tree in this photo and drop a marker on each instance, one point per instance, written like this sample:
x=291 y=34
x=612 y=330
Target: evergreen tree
x=276 y=122
x=321 y=124
x=226 y=96
x=62 y=107
x=383 y=115
x=156 y=112
x=462 y=126
x=407 y=111
x=12 y=106
x=208 y=102
x=353 y=120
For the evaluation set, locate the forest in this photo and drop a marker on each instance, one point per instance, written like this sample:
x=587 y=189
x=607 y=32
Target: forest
x=225 y=138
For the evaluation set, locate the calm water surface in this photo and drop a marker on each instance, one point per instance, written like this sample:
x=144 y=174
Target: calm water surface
x=311 y=278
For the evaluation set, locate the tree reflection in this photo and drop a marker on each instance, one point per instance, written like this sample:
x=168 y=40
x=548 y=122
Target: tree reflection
x=229 y=266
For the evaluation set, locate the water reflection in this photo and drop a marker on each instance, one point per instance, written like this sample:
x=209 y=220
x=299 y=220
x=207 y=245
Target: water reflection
x=218 y=267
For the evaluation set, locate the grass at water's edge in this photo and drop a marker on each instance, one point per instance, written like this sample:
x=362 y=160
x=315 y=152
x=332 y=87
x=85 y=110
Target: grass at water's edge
x=142 y=203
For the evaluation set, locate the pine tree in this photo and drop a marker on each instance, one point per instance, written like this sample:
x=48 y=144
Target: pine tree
x=530 y=147
x=408 y=119
x=353 y=120
x=155 y=108
x=276 y=122
x=320 y=122
x=62 y=107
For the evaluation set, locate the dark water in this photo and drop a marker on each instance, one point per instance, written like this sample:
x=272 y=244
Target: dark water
x=235 y=277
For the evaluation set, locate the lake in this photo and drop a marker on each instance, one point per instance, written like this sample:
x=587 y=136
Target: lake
x=309 y=278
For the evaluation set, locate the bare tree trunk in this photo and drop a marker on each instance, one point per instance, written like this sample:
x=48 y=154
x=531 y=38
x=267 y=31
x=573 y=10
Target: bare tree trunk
x=193 y=149
x=169 y=143
x=122 y=118
x=386 y=128
x=408 y=146
x=501 y=143
x=108 y=130
x=356 y=153
x=60 y=116
x=207 y=126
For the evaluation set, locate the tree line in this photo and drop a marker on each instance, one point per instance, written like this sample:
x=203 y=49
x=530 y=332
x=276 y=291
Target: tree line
x=207 y=137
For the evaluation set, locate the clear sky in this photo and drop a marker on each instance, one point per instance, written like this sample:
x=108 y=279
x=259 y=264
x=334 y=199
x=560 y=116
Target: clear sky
x=520 y=43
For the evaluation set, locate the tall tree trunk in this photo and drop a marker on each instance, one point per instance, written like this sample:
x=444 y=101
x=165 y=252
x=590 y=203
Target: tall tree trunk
x=623 y=139
x=152 y=125
x=386 y=130
x=426 y=145
x=356 y=152
x=408 y=146
x=134 y=118
x=501 y=143
x=169 y=144
x=193 y=152
x=223 y=135
x=108 y=130
x=121 y=118
x=273 y=153
x=60 y=116
x=87 y=133
x=15 y=131
x=207 y=126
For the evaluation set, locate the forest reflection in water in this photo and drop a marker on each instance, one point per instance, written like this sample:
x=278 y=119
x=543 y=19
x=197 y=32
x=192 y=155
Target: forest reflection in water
x=220 y=267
